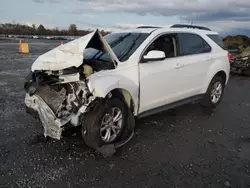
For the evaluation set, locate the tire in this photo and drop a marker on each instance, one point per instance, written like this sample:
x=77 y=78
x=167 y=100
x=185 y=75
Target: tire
x=92 y=123
x=208 y=102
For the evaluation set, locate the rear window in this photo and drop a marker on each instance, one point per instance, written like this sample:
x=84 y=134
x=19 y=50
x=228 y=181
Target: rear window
x=218 y=40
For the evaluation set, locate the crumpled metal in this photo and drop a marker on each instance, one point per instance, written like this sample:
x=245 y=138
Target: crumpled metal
x=52 y=125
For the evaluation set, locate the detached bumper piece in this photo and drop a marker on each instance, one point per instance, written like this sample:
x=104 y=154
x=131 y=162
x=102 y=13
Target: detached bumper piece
x=52 y=125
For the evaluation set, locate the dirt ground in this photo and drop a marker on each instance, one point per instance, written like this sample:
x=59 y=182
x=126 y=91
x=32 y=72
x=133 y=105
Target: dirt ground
x=183 y=147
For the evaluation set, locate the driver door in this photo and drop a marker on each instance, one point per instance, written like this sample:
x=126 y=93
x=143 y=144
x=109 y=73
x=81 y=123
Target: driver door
x=160 y=81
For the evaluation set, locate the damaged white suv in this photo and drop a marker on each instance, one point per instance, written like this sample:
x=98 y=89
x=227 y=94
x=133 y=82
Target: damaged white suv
x=102 y=83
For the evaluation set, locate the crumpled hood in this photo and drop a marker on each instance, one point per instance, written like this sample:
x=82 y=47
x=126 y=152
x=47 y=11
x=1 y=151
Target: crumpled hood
x=71 y=53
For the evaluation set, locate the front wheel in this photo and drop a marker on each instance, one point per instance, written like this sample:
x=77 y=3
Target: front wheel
x=105 y=123
x=214 y=93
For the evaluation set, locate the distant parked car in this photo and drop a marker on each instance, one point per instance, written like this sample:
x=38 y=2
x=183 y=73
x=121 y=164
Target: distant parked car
x=49 y=37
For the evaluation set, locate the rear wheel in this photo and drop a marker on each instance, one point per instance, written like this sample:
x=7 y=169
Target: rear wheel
x=214 y=93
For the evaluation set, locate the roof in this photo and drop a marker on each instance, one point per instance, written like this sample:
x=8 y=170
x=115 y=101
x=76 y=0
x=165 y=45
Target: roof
x=197 y=31
x=171 y=28
x=142 y=30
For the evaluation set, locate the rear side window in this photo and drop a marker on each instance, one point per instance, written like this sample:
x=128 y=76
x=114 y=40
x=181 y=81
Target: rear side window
x=190 y=44
x=218 y=40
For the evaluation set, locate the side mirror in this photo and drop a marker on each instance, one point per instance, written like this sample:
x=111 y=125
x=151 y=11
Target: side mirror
x=154 y=55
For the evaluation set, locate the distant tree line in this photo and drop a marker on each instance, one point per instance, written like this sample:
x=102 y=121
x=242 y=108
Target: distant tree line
x=19 y=29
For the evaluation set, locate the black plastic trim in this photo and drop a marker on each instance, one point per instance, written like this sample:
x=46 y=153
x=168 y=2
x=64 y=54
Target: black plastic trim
x=170 y=106
x=190 y=26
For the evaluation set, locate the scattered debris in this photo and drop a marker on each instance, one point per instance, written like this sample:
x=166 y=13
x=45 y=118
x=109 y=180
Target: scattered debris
x=227 y=184
x=241 y=65
x=210 y=141
x=107 y=150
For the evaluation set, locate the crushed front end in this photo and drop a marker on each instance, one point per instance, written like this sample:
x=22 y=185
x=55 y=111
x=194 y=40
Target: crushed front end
x=57 y=98
x=57 y=90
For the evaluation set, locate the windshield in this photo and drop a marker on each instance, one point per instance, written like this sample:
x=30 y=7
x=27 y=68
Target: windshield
x=122 y=44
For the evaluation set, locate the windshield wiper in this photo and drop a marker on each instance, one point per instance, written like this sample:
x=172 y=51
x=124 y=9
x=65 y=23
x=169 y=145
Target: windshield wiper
x=117 y=41
x=125 y=53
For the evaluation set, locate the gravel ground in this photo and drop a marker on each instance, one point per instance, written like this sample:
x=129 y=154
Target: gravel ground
x=183 y=147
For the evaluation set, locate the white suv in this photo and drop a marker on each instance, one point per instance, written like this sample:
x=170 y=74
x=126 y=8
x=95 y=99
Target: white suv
x=101 y=83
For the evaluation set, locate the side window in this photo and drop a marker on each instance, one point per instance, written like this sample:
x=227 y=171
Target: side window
x=165 y=43
x=192 y=44
x=207 y=48
x=218 y=40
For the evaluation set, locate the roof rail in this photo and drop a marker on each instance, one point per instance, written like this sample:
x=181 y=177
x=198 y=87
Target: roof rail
x=190 y=26
x=145 y=26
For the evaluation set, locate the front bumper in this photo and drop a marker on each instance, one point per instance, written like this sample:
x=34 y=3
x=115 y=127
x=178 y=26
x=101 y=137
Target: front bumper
x=32 y=112
x=52 y=125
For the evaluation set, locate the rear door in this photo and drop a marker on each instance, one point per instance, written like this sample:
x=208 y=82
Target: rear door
x=195 y=58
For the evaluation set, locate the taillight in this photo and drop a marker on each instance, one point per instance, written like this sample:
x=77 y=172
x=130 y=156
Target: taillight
x=229 y=57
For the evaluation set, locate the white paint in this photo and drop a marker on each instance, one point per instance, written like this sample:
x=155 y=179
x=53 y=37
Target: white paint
x=154 y=54
x=70 y=78
x=101 y=83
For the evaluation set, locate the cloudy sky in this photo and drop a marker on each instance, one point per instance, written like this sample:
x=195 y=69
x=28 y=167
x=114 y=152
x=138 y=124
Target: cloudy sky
x=224 y=16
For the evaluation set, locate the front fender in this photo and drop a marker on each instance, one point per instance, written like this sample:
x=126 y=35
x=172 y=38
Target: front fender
x=101 y=85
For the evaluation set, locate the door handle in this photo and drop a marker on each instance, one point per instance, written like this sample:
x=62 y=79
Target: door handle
x=179 y=65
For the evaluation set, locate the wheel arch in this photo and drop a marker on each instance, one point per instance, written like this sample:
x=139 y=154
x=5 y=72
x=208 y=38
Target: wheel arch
x=125 y=96
x=120 y=87
x=221 y=74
